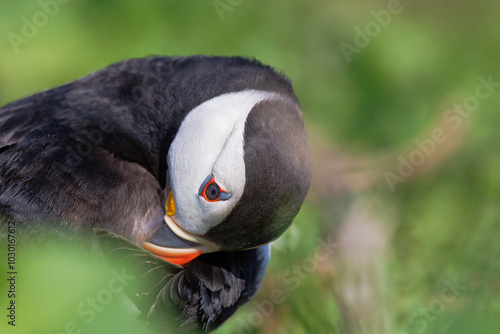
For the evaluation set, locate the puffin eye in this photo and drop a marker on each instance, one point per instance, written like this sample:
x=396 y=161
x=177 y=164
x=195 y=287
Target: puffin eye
x=212 y=192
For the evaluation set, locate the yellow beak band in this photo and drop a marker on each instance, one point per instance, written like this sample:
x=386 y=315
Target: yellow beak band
x=170 y=205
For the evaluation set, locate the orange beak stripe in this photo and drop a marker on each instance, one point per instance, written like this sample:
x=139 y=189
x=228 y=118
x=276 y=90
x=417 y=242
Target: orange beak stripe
x=179 y=256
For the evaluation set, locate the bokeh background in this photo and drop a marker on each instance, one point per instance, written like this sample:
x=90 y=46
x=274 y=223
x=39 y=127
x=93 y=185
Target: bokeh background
x=399 y=232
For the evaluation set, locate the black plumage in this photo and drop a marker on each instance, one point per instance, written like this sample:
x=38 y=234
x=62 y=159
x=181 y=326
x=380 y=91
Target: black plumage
x=106 y=136
x=92 y=154
x=199 y=296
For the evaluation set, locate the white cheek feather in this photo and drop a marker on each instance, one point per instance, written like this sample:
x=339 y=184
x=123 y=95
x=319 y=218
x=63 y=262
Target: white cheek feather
x=210 y=141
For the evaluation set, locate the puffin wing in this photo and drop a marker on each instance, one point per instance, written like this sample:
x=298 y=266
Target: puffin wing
x=78 y=153
x=16 y=121
x=210 y=289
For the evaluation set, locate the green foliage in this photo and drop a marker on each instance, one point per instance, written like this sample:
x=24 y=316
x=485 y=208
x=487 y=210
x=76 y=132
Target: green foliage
x=425 y=60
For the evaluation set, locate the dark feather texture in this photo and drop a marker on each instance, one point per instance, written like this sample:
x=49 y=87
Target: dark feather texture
x=92 y=154
x=199 y=296
x=211 y=288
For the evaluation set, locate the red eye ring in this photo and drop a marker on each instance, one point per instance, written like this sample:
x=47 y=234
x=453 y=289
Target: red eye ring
x=212 y=192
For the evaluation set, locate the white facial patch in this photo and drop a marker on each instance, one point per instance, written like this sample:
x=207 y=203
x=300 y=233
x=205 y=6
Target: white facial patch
x=210 y=141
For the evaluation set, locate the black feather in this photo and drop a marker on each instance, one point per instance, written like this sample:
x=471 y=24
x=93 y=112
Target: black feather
x=209 y=289
x=199 y=296
x=92 y=154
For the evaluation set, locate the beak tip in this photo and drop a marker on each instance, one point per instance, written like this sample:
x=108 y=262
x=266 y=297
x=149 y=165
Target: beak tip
x=178 y=256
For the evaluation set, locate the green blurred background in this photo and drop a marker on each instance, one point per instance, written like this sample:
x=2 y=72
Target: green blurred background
x=364 y=256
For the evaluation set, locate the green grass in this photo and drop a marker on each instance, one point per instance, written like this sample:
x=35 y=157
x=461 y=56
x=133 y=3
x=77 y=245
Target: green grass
x=442 y=223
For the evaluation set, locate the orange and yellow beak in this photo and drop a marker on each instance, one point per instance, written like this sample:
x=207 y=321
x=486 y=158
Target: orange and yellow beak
x=179 y=256
x=171 y=243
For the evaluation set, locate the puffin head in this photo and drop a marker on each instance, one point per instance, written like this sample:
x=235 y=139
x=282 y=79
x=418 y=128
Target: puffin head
x=239 y=169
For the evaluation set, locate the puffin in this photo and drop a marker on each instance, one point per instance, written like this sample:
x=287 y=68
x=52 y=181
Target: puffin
x=196 y=163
